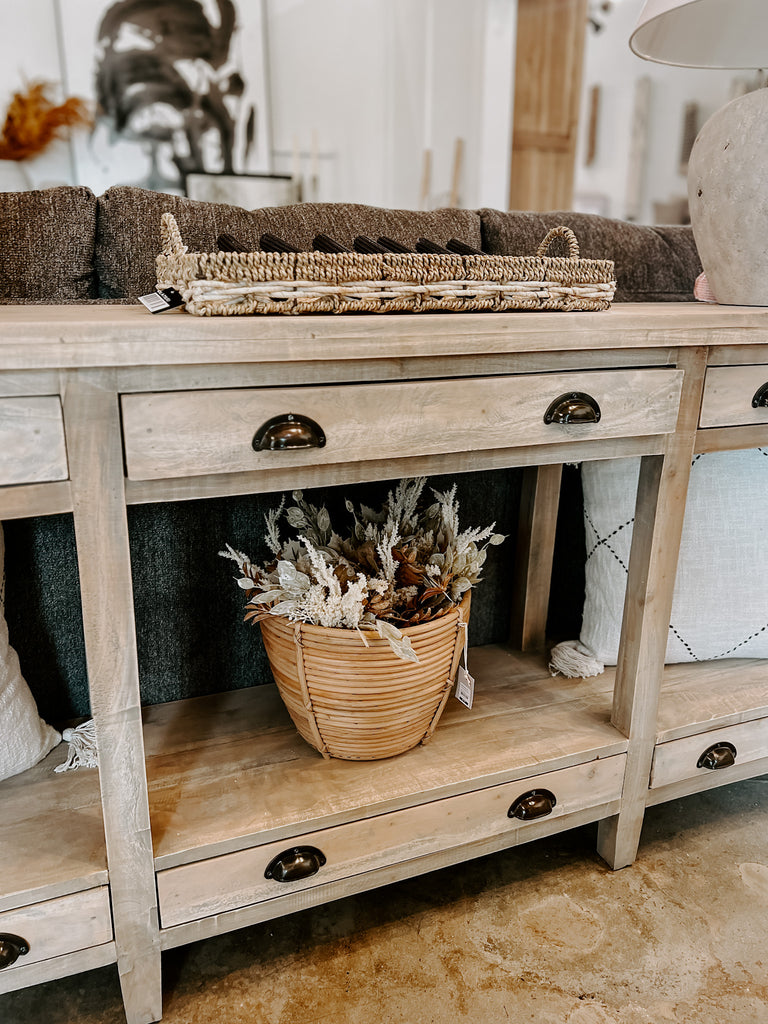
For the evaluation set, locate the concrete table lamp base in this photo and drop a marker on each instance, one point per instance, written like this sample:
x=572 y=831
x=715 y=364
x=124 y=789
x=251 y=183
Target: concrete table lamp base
x=728 y=197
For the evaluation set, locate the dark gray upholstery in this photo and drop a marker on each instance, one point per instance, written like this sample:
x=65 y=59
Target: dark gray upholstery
x=191 y=637
x=46 y=244
x=128 y=233
x=653 y=264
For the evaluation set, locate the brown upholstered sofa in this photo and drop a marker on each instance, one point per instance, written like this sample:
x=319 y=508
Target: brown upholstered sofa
x=67 y=245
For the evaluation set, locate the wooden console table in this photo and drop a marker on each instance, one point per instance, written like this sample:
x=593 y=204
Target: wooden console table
x=168 y=843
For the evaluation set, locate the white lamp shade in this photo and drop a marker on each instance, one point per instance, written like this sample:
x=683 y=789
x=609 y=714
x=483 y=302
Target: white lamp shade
x=703 y=33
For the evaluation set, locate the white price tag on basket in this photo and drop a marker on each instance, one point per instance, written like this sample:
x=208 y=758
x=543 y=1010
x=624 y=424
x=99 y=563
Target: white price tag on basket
x=465 y=684
x=161 y=300
x=465 y=687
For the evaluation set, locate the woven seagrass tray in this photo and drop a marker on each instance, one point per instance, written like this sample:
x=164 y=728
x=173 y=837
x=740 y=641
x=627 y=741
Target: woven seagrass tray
x=226 y=283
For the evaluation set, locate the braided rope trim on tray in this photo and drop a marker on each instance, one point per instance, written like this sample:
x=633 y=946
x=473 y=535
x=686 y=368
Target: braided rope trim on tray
x=312 y=282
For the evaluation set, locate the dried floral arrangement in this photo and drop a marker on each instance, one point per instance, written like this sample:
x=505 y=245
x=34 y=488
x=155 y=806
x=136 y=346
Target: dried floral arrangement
x=399 y=566
x=33 y=121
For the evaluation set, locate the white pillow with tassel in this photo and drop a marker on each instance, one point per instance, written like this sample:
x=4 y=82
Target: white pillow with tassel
x=720 y=605
x=26 y=739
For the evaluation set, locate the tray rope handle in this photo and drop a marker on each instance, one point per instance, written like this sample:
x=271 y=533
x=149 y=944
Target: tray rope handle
x=560 y=232
x=170 y=236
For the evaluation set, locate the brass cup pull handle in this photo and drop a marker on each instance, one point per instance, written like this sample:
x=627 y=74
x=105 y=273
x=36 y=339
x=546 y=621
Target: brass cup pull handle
x=535 y=804
x=573 y=407
x=293 y=865
x=719 y=755
x=760 y=397
x=288 y=430
x=11 y=948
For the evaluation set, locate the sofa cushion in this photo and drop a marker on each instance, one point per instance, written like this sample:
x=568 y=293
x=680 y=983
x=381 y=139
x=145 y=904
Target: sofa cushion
x=47 y=240
x=653 y=264
x=128 y=232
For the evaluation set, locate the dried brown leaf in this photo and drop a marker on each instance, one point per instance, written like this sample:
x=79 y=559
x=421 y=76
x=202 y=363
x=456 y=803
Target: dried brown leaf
x=33 y=121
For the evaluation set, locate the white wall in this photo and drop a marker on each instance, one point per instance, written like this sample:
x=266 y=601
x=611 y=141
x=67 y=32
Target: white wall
x=358 y=87
x=327 y=74
x=610 y=64
x=29 y=50
x=375 y=82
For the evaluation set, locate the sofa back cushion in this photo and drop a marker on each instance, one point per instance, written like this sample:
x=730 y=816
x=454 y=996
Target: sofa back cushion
x=653 y=264
x=128 y=231
x=47 y=241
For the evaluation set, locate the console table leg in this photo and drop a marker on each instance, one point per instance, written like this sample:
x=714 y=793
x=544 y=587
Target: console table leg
x=539 y=502
x=659 y=514
x=647 y=609
x=96 y=471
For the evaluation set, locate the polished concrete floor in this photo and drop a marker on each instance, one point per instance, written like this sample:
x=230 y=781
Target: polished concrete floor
x=544 y=933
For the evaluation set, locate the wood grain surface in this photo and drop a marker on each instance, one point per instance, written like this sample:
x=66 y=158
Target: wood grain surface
x=188 y=786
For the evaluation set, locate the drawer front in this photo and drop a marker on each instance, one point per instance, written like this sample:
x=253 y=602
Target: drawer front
x=173 y=434
x=688 y=757
x=32 y=446
x=234 y=880
x=729 y=392
x=60 y=926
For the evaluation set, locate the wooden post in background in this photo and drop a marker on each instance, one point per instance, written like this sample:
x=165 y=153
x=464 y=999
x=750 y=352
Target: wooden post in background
x=548 y=73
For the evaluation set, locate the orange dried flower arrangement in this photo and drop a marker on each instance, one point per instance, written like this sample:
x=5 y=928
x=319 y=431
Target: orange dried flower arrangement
x=33 y=121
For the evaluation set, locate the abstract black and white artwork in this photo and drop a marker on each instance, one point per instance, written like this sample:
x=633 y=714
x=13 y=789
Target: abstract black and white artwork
x=179 y=86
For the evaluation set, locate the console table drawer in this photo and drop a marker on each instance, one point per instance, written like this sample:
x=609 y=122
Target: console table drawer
x=63 y=925
x=32 y=448
x=709 y=752
x=735 y=396
x=172 y=434
x=213 y=886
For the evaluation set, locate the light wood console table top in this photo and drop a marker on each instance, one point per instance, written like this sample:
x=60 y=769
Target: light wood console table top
x=33 y=336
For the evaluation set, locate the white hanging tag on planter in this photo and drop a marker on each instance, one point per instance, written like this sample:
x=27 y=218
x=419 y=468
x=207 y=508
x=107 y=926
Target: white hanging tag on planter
x=465 y=683
x=465 y=687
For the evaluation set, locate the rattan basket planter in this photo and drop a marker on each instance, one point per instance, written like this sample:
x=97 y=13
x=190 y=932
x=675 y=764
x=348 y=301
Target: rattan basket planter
x=231 y=284
x=362 y=703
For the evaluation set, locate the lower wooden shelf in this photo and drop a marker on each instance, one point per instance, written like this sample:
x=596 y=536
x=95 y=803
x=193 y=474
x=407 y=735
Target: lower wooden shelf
x=53 y=835
x=232 y=785
x=226 y=883
x=229 y=771
x=702 y=695
x=53 y=873
x=705 y=705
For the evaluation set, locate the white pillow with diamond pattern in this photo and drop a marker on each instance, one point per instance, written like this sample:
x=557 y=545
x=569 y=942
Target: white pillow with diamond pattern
x=720 y=607
x=25 y=738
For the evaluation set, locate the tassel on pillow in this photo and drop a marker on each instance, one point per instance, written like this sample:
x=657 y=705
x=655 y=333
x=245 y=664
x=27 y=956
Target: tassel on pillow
x=573 y=660
x=82 y=752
